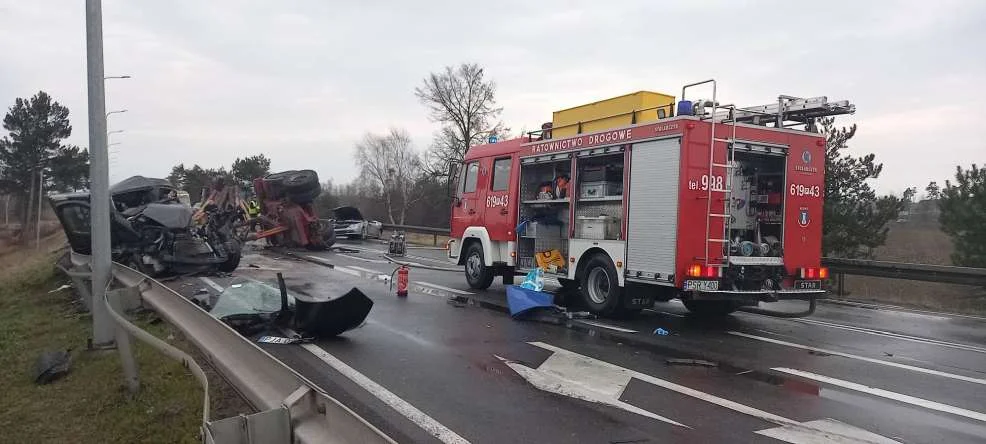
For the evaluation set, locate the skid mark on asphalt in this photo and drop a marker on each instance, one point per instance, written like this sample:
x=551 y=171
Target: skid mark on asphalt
x=920 y=402
x=889 y=334
x=403 y=407
x=863 y=358
x=571 y=374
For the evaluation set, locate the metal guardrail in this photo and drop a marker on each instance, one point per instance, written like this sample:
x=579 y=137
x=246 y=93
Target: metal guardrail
x=291 y=408
x=858 y=267
x=914 y=272
x=433 y=231
x=417 y=229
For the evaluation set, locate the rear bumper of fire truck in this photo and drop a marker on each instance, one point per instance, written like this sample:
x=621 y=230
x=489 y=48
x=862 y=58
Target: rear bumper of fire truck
x=764 y=295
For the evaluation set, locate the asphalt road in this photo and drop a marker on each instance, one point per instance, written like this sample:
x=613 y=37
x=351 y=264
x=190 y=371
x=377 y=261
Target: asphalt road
x=424 y=369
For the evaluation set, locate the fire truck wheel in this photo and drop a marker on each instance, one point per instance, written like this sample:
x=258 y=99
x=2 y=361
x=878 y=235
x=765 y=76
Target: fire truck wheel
x=710 y=308
x=601 y=290
x=478 y=275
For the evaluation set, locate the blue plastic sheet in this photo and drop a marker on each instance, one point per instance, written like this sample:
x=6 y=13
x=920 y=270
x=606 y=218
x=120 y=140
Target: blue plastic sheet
x=521 y=300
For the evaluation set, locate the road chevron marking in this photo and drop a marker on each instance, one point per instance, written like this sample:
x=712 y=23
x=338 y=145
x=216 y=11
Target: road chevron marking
x=571 y=374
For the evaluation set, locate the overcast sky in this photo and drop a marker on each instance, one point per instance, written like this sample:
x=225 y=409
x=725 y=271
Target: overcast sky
x=301 y=81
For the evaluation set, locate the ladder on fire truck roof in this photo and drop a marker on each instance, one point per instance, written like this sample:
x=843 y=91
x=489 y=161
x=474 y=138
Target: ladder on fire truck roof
x=718 y=191
x=788 y=112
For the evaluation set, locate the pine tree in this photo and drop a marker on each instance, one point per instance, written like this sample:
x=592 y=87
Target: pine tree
x=963 y=215
x=856 y=220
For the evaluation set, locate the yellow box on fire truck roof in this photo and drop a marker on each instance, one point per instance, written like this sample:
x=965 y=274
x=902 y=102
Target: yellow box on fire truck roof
x=638 y=107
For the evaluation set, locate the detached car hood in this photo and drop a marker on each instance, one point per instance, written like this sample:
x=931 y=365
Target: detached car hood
x=347 y=213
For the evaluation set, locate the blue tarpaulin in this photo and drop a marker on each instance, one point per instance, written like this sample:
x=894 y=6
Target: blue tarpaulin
x=520 y=300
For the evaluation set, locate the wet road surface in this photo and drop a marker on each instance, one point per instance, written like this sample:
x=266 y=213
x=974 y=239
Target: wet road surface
x=427 y=370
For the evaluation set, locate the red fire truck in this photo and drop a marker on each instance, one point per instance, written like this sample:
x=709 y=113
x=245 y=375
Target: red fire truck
x=633 y=199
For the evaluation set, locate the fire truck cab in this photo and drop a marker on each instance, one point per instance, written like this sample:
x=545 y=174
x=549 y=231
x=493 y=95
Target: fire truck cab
x=641 y=198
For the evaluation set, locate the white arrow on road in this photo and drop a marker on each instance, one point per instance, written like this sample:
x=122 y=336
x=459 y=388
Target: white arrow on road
x=578 y=376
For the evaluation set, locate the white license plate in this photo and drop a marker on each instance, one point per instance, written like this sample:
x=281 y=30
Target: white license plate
x=702 y=285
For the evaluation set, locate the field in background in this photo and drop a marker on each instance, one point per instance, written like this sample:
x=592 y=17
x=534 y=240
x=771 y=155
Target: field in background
x=917 y=238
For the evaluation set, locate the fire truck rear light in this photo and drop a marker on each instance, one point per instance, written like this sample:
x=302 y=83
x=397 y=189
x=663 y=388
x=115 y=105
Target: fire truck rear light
x=695 y=271
x=711 y=272
x=513 y=254
x=820 y=142
x=814 y=273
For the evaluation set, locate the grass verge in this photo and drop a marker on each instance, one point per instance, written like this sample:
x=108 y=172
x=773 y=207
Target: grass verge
x=90 y=404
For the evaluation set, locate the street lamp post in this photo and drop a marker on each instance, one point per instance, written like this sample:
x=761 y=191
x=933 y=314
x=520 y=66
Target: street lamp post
x=103 y=327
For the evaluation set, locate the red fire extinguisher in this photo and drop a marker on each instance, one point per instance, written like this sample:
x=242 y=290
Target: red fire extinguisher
x=402 y=281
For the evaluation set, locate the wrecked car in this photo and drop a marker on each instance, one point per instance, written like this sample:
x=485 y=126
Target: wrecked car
x=349 y=222
x=151 y=230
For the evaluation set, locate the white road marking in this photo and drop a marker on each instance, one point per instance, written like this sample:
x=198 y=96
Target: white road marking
x=375 y=261
x=864 y=358
x=608 y=392
x=366 y=270
x=572 y=374
x=832 y=432
x=930 y=405
x=442 y=287
x=346 y=270
x=403 y=407
x=611 y=327
x=665 y=313
x=212 y=284
x=889 y=334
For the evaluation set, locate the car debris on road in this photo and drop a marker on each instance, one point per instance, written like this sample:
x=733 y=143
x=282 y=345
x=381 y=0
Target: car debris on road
x=253 y=307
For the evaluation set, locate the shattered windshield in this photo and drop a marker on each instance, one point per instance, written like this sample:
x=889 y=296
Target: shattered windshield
x=249 y=297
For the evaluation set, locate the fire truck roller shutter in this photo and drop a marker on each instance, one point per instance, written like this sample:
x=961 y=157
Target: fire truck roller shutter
x=652 y=219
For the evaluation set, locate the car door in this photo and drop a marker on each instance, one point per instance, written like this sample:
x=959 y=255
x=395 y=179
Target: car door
x=500 y=200
x=468 y=205
x=76 y=222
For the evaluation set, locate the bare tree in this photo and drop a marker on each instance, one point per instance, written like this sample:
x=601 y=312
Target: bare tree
x=463 y=102
x=391 y=166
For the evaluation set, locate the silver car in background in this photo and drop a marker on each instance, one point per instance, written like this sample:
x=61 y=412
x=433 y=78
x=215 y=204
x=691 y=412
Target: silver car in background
x=349 y=222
